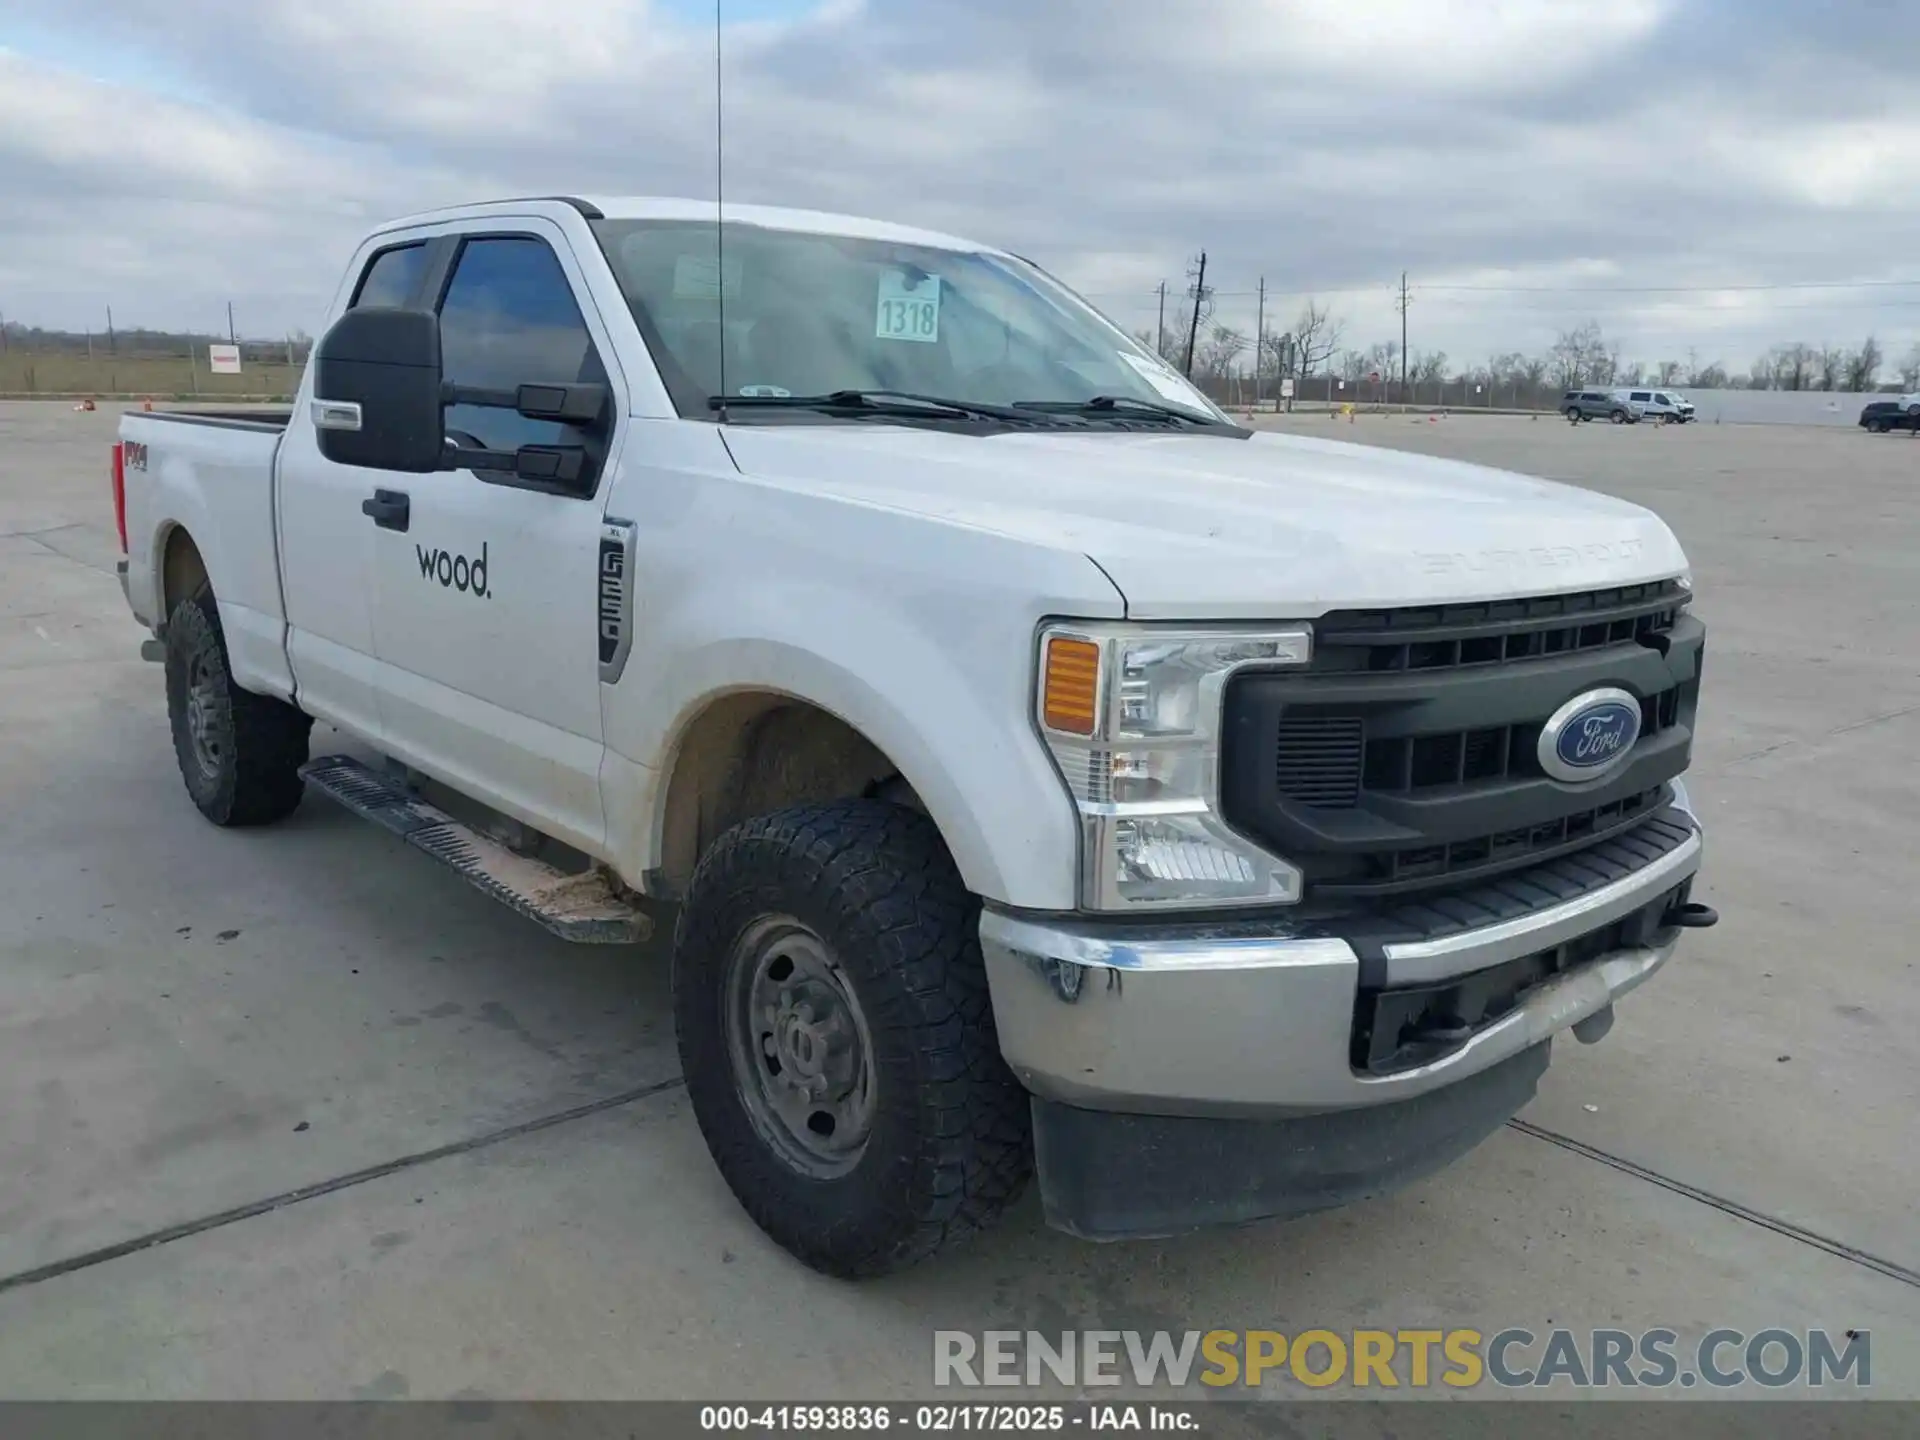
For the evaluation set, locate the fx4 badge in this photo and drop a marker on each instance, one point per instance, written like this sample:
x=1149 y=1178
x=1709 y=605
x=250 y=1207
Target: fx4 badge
x=615 y=597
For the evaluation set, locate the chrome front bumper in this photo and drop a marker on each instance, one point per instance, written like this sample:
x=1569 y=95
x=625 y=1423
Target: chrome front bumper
x=1190 y=1022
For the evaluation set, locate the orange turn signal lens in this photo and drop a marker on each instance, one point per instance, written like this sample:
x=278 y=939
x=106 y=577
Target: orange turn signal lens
x=1070 y=696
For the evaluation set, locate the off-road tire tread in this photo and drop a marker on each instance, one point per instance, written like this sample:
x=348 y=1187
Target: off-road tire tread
x=878 y=883
x=269 y=736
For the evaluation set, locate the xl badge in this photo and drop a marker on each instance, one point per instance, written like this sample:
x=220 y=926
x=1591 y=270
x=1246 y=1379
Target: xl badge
x=1590 y=735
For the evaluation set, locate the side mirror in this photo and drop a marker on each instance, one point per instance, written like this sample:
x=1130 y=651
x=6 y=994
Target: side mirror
x=377 y=397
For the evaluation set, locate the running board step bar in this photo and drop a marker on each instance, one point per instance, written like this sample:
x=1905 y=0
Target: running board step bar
x=582 y=907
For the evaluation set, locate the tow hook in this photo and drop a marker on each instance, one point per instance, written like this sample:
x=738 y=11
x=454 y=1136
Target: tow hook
x=1692 y=916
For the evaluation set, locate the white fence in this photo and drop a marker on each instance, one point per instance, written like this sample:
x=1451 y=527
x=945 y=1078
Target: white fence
x=1779 y=407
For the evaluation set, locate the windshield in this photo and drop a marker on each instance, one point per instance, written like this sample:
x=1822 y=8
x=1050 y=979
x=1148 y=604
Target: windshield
x=813 y=315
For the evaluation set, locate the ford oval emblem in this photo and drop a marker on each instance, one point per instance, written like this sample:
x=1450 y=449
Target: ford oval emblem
x=1590 y=735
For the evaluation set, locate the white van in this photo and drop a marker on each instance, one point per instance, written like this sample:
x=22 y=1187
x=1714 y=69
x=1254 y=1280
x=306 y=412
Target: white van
x=1666 y=405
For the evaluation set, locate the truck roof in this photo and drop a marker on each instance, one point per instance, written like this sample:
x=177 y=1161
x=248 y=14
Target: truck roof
x=660 y=207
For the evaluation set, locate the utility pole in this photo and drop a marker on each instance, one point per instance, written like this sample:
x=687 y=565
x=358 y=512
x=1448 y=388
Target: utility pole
x=232 y=339
x=1199 y=294
x=112 y=348
x=1259 y=340
x=1403 y=339
x=1160 y=331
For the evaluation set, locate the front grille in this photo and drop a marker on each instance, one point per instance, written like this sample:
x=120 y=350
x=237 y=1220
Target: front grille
x=1404 y=758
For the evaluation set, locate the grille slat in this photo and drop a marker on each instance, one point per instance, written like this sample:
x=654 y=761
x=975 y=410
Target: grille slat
x=1542 y=842
x=1318 y=758
x=1392 y=640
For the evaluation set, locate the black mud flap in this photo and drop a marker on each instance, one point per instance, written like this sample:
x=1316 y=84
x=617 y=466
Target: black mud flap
x=1105 y=1175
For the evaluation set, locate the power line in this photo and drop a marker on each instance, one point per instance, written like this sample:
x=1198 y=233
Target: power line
x=1672 y=289
x=1390 y=289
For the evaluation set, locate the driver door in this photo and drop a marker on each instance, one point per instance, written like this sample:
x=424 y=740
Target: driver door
x=486 y=598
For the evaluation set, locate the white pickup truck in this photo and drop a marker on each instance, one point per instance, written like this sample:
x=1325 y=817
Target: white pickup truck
x=1045 y=773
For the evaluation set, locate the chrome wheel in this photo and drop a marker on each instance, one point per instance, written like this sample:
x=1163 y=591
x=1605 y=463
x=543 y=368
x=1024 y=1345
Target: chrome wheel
x=204 y=717
x=801 y=1051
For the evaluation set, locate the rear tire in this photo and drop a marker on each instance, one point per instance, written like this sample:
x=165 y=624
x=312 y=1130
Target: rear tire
x=1573 y=414
x=837 y=1037
x=239 y=753
x=1876 y=427
x=1618 y=417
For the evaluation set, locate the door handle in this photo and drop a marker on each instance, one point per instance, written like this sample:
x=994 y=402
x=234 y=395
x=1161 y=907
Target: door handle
x=389 y=509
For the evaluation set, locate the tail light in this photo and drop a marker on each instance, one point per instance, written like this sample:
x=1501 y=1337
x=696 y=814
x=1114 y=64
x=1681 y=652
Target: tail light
x=120 y=493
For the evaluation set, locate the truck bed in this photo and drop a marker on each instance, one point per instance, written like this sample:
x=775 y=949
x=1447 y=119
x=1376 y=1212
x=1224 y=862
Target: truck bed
x=210 y=474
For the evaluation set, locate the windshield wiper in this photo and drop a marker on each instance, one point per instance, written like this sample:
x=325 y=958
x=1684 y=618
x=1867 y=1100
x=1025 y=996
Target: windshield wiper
x=873 y=402
x=1113 y=406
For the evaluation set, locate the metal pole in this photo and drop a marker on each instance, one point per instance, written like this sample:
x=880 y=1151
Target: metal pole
x=232 y=339
x=1160 y=332
x=112 y=349
x=1259 y=339
x=1403 y=339
x=1193 y=325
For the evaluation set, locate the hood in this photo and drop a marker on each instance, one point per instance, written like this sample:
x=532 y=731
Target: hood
x=1205 y=527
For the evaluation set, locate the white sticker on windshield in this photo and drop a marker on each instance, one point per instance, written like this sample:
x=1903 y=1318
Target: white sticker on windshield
x=1166 y=382
x=697 y=277
x=776 y=392
x=907 y=309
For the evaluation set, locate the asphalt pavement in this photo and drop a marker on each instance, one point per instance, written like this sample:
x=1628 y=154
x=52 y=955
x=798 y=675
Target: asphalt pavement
x=296 y=1113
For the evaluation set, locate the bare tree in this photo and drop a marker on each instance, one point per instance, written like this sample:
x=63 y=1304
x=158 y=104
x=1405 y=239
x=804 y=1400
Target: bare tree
x=1794 y=366
x=1428 y=367
x=1667 y=372
x=1863 y=365
x=1217 y=354
x=1711 y=376
x=1581 y=356
x=1316 y=335
x=1632 y=373
x=1910 y=368
x=1829 y=362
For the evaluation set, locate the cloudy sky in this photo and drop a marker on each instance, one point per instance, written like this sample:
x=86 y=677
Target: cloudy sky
x=1713 y=174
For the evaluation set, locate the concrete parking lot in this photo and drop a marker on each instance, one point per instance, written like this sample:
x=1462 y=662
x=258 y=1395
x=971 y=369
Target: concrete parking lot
x=296 y=1113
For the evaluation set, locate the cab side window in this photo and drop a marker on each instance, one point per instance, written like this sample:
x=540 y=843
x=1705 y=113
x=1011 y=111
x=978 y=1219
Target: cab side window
x=509 y=318
x=392 y=277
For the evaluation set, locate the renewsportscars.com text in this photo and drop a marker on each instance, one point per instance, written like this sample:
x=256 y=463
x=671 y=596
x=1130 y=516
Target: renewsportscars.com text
x=1658 y=1358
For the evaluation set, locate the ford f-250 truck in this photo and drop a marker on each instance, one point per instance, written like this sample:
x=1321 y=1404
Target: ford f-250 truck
x=1044 y=771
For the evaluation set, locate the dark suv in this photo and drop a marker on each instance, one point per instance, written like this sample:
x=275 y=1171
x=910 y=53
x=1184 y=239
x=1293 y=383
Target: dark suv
x=1578 y=405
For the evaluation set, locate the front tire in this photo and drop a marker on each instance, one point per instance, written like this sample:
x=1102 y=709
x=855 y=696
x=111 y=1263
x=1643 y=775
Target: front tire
x=1876 y=427
x=837 y=1037
x=1618 y=417
x=1573 y=414
x=239 y=753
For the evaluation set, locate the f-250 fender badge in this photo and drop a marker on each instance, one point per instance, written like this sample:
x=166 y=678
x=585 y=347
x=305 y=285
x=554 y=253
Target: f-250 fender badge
x=614 y=606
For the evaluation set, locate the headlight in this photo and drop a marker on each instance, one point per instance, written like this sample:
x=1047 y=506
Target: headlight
x=1132 y=716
